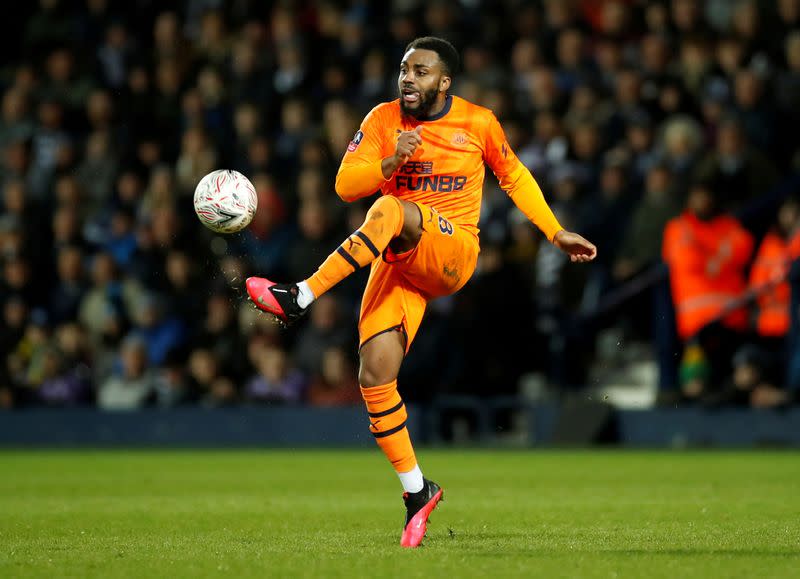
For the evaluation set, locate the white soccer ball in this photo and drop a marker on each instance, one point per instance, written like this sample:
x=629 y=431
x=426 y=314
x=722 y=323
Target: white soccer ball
x=225 y=201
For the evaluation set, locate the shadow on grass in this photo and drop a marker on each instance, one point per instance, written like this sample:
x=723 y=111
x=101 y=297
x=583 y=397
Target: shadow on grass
x=706 y=551
x=486 y=544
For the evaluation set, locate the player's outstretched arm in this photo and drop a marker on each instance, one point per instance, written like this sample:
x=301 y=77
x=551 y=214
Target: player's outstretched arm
x=516 y=180
x=528 y=197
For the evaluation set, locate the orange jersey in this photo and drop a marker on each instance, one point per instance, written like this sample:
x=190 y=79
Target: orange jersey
x=447 y=170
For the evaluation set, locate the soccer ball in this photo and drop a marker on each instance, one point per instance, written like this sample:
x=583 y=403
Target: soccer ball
x=225 y=201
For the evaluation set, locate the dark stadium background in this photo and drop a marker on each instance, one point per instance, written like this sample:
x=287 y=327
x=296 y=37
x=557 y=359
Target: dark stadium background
x=115 y=296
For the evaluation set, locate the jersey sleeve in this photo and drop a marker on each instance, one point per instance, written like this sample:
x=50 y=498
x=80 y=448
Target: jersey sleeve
x=516 y=180
x=360 y=172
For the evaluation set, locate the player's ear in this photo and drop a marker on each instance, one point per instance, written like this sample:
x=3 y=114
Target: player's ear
x=444 y=84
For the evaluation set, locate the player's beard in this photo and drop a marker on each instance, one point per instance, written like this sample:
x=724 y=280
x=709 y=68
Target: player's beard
x=426 y=100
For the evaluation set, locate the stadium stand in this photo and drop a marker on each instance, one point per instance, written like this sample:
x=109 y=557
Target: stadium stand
x=635 y=116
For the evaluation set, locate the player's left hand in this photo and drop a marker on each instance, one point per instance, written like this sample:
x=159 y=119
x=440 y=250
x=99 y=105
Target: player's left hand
x=578 y=248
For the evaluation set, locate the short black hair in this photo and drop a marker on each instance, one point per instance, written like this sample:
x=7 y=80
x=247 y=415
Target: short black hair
x=447 y=53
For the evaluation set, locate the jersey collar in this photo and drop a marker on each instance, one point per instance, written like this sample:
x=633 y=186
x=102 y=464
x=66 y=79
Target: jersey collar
x=448 y=102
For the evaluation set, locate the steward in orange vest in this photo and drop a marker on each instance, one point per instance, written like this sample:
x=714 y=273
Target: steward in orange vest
x=777 y=250
x=706 y=252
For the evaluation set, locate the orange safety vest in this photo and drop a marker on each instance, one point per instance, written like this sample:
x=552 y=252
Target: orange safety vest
x=706 y=261
x=772 y=264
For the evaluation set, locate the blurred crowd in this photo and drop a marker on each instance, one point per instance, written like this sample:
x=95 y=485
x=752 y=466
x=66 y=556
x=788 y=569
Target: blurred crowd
x=662 y=130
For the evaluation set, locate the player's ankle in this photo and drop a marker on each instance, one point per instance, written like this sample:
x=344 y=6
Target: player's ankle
x=304 y=295
x=412 y=480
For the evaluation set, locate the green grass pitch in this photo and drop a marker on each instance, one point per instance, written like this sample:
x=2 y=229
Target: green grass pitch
x=338 y=514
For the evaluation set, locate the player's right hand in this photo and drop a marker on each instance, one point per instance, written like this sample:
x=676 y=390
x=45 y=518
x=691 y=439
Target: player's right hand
x=407 y=143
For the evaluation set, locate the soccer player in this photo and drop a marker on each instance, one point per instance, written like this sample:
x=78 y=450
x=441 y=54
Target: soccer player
x=425 y=154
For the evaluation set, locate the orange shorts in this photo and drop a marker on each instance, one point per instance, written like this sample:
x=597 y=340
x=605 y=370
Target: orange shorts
x=400 y=285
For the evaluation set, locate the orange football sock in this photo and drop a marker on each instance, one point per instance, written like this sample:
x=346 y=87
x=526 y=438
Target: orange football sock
x=387 y=417
x=384 y=222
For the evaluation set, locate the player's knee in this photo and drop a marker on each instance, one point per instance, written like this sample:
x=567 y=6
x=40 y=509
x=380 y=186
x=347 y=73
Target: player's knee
x=371 y=375
x=385 y=207
x=378 y=366
x=380 y=358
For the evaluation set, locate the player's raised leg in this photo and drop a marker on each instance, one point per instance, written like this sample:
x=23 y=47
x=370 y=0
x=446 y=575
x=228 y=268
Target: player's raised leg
x=388 y=219
x=380 y=360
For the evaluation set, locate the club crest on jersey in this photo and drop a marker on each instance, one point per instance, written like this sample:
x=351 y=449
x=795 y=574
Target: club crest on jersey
x=355 y=142
x=459 y=138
